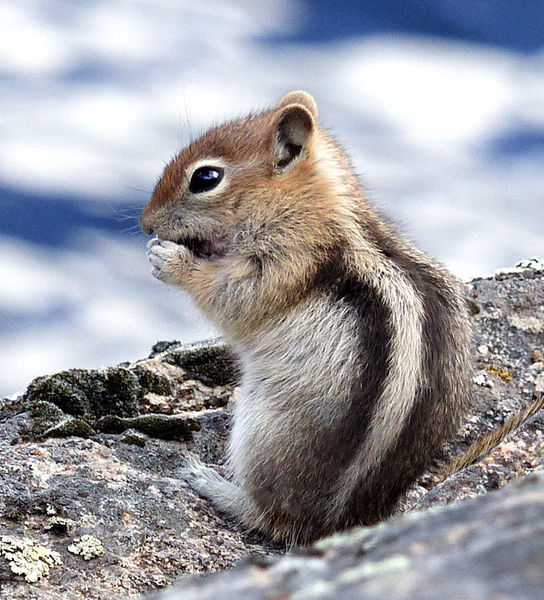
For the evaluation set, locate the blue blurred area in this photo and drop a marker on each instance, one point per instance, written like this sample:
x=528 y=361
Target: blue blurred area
x=54 y=220
x=13 y=321
x=513 y=24
x=517 y=143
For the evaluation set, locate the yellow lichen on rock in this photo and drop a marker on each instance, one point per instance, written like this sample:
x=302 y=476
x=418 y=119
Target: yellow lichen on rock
x=87 y=546
x=28 y=558
x=505 y=375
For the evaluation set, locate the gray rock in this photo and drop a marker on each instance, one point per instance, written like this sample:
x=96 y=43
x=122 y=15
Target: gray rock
x=486 y=548
x=98 y=453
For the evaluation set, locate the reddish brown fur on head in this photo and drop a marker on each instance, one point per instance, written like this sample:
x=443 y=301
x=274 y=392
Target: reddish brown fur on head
x=253 y=149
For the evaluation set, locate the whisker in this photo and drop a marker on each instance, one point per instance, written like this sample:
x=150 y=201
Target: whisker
x=141 y=190
x=187 y=122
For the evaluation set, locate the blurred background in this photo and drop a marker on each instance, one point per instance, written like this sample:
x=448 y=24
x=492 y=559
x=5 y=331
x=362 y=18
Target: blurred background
x=440 y=104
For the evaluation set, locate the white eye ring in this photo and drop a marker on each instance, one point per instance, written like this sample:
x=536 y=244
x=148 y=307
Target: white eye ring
x=205 y=179
x=206 y=176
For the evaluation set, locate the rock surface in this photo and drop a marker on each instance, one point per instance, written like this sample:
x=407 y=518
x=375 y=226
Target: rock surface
x=91 y=460
x=487 y=548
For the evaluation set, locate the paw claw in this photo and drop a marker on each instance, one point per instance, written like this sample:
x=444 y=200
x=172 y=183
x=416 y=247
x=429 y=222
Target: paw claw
x=200 y=477
x=169 y=260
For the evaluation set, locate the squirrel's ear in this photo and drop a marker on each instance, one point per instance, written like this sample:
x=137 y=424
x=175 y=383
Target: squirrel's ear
x=293 y=129
x=299 y=97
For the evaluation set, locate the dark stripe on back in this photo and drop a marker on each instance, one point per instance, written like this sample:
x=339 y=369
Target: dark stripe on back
x=435 y=413
x=373 y=338
x=332 y=448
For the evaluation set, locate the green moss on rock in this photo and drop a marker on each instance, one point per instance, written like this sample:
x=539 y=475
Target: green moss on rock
x=89 y=393
x=45 y=415
x=213 y=365
x=166 y=427
x=134 y=438
x=50 y=421
x=65 y=390
x=118 y=392
x=152 y=382
x=69 y=427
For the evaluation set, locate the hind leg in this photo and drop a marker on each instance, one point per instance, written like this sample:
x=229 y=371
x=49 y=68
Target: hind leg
x=226 y=496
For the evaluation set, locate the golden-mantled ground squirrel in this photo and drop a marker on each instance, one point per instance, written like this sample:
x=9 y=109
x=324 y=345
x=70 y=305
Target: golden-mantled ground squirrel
x=353 y=344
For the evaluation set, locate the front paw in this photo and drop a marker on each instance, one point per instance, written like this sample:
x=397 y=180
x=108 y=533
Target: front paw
x=170 y=261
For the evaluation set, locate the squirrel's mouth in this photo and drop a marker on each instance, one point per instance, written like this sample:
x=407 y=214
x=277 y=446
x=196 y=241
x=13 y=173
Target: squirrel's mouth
x=203 y=248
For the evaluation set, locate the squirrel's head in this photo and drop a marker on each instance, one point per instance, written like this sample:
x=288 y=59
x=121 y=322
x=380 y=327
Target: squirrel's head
x=239 y=172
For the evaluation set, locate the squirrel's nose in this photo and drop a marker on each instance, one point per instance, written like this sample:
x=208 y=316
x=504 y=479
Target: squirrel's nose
x=146 y=223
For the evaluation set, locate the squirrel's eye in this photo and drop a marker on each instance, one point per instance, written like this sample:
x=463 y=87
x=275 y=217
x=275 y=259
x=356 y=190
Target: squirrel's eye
x=205 y=179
